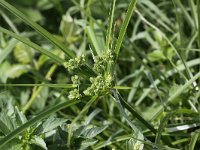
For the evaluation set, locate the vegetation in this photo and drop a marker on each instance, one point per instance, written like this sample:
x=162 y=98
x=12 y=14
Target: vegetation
x=99 y=74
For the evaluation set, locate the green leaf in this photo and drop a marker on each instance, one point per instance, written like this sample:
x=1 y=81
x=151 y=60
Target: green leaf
x=162 y=126
x=4 y=67
x=52 y=123
x=16 y=71
x=109 y=31
x=69 y=28
x=34 y=120
x=156 y=55
x=41 y=98
x=178 y=92
x=94 y=131
x=86 y=143
x=38 y=141
x=4 y=129
x=122 y=32
x=4 y=53
x=91 y=116
x=15 y=144
x=20 y=117
x=136 y=130
x=7 y=123
x=32 y=13
x=173 y=90
x=12 y=71
x=194 y=140
x=23 y=53
x=136 y=114
x=93 y=41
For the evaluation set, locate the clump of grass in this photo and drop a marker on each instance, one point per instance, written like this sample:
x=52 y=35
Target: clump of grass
x=118 y=75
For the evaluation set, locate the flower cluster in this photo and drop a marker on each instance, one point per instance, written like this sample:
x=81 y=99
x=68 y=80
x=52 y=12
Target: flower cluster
x=75 y=80
x=99 y=64
x=74 y=63
x=102 y=62
x=137 y=146
x=100 y=85
x=109 y=56
x=75 y=94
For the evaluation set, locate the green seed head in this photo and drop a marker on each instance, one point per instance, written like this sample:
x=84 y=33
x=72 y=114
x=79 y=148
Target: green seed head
x=74 y=63
x=74 y=94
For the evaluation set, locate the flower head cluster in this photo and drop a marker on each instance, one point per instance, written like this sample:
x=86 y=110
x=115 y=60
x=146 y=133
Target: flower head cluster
x=75 y=80
x=137 y=146
x=102 y=62
x=99 y=64
x=74 y=94
x=100 y=85
x=74 y=63
x=109 y=56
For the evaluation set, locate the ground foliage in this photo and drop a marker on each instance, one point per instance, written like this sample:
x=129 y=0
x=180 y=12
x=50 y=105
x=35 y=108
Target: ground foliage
x=99 y=74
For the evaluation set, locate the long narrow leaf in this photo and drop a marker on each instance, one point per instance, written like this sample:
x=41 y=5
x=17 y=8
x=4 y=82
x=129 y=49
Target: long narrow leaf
x=124 y=26
x=194 y=140
x=37 y=27
x=93 y=40
x=108 y=36
x=33 y=45
x=45 y=85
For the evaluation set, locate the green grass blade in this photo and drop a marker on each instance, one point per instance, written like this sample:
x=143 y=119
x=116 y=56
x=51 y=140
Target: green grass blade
x=158 y=12
x=39 y=117
x=186 y=14
x=194 y=13
x=104 y=144
x=33 y=45
x=198 y=7
x=134 y=88
x=38 y=28
x=124 y=26
x=118 y=101
x=193 y=141
x=189 y=74
x=9 y=22
x=137 y=115
x=168 y=74
x=176 y=94
x=162 y=126
x=109 y=32
x=118 y=87
x=184 y=87
x=66 y=86
x=93 y=40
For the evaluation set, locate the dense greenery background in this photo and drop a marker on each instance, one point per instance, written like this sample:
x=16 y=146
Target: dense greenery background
x=141 y=94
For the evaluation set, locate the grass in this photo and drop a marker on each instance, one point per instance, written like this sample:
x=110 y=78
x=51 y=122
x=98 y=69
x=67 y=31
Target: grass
x=99 y=75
